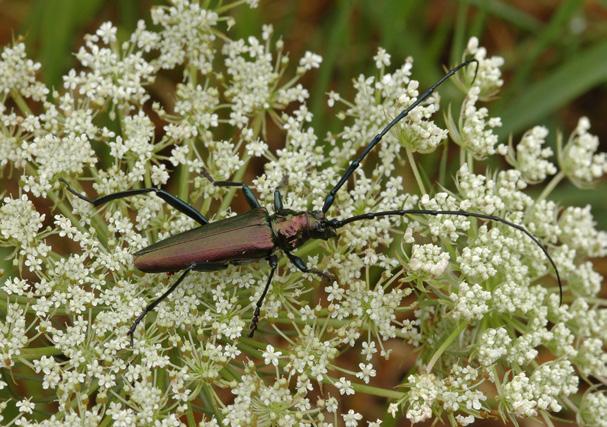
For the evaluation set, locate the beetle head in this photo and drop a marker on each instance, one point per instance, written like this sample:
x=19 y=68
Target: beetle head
x=321 y=227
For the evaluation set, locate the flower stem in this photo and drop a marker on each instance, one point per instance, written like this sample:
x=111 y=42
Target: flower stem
x=25 y=109
x=376 y=391
x=445 y=345
x=415 y=171
x=37 y=352
x=551 y=185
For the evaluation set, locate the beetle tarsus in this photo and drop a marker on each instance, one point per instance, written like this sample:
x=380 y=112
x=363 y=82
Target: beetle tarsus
x=301 y=265
x=254 y=321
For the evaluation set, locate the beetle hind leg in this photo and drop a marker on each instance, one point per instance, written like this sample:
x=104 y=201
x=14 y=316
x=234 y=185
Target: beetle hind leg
x=174 y=201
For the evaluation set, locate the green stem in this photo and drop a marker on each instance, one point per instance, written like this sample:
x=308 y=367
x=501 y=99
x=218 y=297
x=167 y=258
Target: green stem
x=445 y=345
x=207 y=396
x=190 y=416
x=38 y=352
x=106 y=421
x=331 y=322
x=551 y=185
x=25 y=109
x=415 y=171
x=442 y=174
x=227 y=7
x=374 y=391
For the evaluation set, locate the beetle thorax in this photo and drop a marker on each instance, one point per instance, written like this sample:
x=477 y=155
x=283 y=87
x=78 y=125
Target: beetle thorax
x=293 y=229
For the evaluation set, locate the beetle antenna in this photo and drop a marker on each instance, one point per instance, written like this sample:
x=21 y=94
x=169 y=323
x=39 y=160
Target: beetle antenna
x=377 y=138
x=336 y=223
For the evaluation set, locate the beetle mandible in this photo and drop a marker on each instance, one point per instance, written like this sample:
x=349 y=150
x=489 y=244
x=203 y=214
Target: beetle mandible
x=257 y=234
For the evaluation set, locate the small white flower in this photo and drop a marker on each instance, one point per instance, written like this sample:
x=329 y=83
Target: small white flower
x=366 y=372
x=270 y=356
x=529 y=157
x=107 y=32
x=344 y=386
x=26 y=406
x=464 y=421
x=382 y=58
x=352 y=418
x=393 y=409
x=309 y=61
x=488 y=75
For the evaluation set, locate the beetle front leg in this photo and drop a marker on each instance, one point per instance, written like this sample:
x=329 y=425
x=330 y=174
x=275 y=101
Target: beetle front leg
x=153 y=304
x=248 y=193
x=301 y=265
x=273 y=264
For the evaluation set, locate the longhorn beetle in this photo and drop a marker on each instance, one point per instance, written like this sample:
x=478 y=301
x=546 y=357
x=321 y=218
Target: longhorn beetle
x=257 y=234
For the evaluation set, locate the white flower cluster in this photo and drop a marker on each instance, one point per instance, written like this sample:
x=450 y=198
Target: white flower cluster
x=476 y=299
x=526 y=395
x=578 y=158
x=488 y=76
x=494 y=344
x=18 y=74
x=470 y=302
x=456 y=394
x=12 y=335
x=593 y=409
x=428 y=260
x=475 y=131
x=529 y=157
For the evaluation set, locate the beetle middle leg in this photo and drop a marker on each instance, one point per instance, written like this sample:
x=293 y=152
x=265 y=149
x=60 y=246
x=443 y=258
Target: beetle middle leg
x=248 y=193
x=273 y=264
x=301 y=265
x=152 y=305
x=174 y=201
x=157 y=301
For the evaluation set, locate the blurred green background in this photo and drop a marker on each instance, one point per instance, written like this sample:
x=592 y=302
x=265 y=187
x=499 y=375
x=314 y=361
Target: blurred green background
x=555 y=51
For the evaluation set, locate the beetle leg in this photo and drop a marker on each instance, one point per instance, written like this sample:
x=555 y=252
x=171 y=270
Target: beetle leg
x=174 y=201
x=277 y=201
x=211 y=266
x=248 y=193
x=301 y=265
x=153 y=304
x=273 y=264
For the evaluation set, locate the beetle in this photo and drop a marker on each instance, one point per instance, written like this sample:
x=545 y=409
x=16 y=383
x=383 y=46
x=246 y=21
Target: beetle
x=257 y=234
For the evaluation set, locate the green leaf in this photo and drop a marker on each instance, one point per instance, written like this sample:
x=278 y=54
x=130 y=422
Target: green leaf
x=568 y=81
x=52 y=28
x=550 y=33
x=336 y=38
x=507 y=13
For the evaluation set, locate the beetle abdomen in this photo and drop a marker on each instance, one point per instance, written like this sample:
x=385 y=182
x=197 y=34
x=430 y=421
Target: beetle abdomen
x=231 y=241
